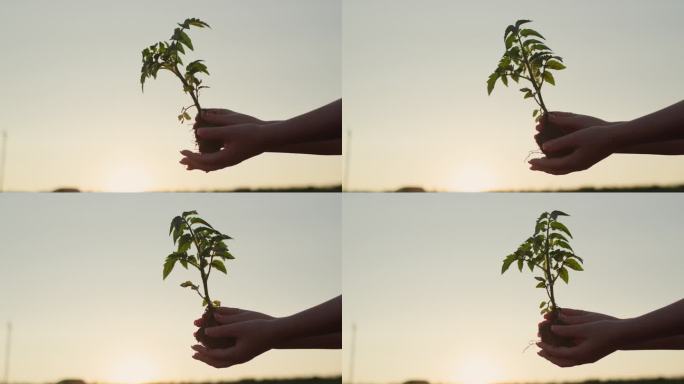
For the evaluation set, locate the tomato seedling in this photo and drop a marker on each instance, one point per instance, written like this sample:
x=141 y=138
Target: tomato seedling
x=547 y=251
x=528 y=58
x=202 y=247
x=168 y=55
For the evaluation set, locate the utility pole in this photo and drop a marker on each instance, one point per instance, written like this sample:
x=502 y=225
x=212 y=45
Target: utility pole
x=352 y=353
x=347 y=162
x=2 y=167
x=7 y=352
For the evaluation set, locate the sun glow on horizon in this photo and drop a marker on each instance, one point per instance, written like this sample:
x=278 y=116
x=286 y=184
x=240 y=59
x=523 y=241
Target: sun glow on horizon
x=134 y=370
x=477 y=370
x=127 y=178
x=473 y=178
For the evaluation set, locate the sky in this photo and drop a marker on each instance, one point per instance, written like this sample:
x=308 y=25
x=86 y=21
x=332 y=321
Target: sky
x=422 y=283
x=75 y=115
x=417 y=106
x=82 y=284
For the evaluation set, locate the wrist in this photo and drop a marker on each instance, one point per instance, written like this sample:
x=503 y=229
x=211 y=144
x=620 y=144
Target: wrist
x=282 y=330
x=626 y=331
x=271 y=135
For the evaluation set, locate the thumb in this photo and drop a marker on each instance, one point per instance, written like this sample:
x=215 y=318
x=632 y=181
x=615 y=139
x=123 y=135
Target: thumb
x=572 y=331
x=213 y=133
x=227 y=330
x=214 y=116
x=559 y=144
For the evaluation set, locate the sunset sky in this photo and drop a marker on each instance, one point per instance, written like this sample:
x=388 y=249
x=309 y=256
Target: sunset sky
x=417 y=105
x=75 y=115
x=421 y=277
x=82 y=282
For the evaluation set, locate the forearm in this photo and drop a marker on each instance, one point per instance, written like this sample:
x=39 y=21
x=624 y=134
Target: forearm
x=326 y=147
x=322 y=124
x=325 y=341
x=664 y=125
x=322 y=319
x=665 y=322
x=670 y=342
x=671 y=147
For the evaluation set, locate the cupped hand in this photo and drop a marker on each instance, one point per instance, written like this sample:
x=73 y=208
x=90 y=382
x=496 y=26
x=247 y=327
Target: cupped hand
x=240 y=142
x=222 y=117
x=569 y=122
x=569 y=316
x=594 y=340
x=586 y=147
x=226 y=315
x=252 y=338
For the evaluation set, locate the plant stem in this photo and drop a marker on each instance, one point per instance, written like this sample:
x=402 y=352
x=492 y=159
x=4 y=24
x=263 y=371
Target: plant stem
x=204 y=276
x=195 y=99
x=537 y=87
x=547 y=270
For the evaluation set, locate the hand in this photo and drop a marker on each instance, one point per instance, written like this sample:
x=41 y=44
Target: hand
x=570 y=316
x=219 y=116
x=242 y=135
x=225 y=315
x=252 y=338
x=569 y=122
x=588 y=146
x=594 y=340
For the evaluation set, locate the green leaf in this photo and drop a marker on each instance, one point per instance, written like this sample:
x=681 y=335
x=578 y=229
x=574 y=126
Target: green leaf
x=557 y=225
x=186 y=116
x=542 y=304
x=218 y=264
x=168 y=265
x=563 y=274
x=196 y=23
x=521 y=22
x=548 y=77
x=184 y=242
x=187 y=284
x=510 y=40
x=573 y=264
x=520 y=264
x=491 y=82
x=554 y=215
x=197 y=220
x=507 y=262
x=553 y=64
x=188 y=213
x=541 y=285
x=531 y=32
x=175 y=223
x=509 y=29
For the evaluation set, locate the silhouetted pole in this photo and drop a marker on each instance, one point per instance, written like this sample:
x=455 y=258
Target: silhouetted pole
x=2 y=167
x=352 y=353
x=7 y=352
x=347 y=162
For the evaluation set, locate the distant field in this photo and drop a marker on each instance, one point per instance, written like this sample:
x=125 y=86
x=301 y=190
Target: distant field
x=646 y=188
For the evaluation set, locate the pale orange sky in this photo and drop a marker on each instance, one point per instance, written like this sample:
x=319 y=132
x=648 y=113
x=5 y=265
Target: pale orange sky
x=417 y=105
x=87 y=300
x=75 y=114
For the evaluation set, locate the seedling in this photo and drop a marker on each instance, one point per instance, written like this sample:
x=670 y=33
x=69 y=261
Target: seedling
x=192 y=234
x=527 y=57
x=548 y=251
x=167 y=55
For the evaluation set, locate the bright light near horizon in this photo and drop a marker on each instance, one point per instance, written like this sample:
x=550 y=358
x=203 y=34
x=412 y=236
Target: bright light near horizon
x=134 y=370
x=127 y=178
x=477 y=370
x=473 y=178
